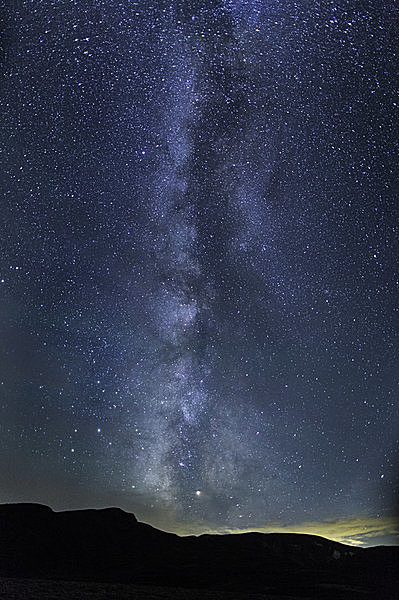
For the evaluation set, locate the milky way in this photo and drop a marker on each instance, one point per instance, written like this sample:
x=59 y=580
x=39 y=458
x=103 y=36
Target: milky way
x=198 y=266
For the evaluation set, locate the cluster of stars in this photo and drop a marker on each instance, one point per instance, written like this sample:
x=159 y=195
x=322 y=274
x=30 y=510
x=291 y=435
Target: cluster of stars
x=198 y=259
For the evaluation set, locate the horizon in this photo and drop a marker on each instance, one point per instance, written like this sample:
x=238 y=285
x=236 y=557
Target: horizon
x=350 y=531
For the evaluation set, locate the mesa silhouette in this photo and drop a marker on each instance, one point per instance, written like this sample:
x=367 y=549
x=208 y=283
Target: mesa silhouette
x=110 y=545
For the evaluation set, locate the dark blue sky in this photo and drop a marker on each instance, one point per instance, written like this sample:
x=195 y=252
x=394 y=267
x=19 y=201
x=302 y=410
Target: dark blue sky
x=199 y=262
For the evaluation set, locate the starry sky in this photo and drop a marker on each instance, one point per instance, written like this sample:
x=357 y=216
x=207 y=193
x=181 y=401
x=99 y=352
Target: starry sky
x=198 y=267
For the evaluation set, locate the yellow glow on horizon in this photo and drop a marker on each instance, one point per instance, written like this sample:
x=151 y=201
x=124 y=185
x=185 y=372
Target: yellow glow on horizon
x=354 y=531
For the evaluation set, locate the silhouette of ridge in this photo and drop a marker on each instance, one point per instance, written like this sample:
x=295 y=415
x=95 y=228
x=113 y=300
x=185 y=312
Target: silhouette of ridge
x=110 y=545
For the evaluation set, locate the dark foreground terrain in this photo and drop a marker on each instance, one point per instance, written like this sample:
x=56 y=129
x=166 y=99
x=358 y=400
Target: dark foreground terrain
x=42 y=589
x=93 y=554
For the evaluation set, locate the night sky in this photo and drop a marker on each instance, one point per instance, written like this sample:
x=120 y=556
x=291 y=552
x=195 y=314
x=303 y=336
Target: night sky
x=198 y=267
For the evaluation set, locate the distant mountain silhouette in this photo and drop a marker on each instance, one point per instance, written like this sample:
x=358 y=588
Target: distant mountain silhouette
x=110 y=545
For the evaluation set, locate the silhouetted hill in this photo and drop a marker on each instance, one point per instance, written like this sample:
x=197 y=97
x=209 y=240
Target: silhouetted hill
x=110 y=545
